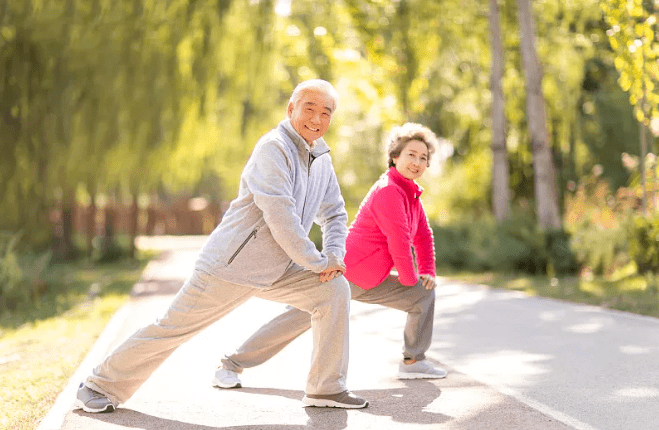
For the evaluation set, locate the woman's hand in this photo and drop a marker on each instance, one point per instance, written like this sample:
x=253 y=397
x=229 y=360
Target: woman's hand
x=428 y=281
x=329 y=274
x=335 y=268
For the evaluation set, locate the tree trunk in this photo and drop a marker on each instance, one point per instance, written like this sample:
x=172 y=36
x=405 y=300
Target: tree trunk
x=91 y=218
x=134 y=218
x=109 y=249
x=63 y=247
x=543 y=165
x=500 y=175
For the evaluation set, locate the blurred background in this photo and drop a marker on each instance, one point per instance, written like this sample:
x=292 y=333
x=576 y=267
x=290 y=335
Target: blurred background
x=121 y=118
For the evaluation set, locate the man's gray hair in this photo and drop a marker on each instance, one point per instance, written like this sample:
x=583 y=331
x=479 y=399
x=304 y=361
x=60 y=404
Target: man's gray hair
x=315 y=84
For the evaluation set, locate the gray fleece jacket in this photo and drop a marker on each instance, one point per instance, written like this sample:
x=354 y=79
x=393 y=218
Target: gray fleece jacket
x=284 y=188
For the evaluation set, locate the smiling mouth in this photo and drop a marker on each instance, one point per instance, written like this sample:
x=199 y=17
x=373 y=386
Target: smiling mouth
x=315 y=130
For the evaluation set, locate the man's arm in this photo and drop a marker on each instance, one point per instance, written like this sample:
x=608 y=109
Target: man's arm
x=333 y=221
x=270 y=181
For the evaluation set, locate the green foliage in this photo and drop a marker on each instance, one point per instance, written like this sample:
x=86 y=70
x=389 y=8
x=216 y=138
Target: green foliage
x=632 y=37
x=516 y=244
x=12 y=278
x=598 y=221
x=144 y=96
x=21 y=275
x=601 y=250
x=644 y=242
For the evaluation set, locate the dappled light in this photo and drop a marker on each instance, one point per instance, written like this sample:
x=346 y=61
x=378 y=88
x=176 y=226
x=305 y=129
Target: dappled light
x=125 y=126
x=637 y=392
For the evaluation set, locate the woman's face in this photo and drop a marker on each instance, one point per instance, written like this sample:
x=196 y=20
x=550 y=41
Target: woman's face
x=413 y=159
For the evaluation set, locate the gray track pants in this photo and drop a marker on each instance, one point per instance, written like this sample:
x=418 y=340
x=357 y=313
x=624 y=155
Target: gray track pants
x=271 y=338
x=204 y=299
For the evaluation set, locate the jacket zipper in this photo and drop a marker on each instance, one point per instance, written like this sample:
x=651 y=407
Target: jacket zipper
x=242 y=245
x=304 y=205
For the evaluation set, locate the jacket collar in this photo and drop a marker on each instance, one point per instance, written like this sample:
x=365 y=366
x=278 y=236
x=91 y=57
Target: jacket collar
x=412 y=189
x=320 y=146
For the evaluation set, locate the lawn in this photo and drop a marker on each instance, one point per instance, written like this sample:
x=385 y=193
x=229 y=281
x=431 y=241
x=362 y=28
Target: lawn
x=42 y=346
x=624 y=291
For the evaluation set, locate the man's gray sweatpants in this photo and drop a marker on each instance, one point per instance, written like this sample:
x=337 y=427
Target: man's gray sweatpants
x=271 y=338
x=204 y=299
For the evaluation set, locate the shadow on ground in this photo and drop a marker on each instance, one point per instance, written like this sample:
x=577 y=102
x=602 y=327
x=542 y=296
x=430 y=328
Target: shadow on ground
x=403 y=405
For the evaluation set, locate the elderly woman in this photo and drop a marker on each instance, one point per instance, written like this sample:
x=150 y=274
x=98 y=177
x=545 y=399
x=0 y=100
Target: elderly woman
x=390 y=222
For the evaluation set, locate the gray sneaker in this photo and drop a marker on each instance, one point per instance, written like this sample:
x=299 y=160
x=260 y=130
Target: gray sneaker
x=92 y=401
x=225 y=378
x=346 y=400
x=420 y=370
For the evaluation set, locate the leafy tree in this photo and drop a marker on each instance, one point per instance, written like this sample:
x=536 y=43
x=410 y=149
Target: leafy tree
x=632 y=36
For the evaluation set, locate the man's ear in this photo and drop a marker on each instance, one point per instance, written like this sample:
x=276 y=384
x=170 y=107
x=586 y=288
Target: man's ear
x=290 y=109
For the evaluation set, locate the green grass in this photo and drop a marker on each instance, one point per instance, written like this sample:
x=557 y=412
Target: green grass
x=41 y=346
x=623 y=291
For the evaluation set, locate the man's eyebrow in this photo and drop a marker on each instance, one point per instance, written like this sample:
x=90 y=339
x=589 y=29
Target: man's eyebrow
x=326 y=107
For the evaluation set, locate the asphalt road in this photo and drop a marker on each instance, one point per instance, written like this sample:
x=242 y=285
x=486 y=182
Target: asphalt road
x=515 y=362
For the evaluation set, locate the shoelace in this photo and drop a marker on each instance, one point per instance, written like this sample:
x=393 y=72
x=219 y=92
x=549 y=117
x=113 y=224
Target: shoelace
x=97 y=395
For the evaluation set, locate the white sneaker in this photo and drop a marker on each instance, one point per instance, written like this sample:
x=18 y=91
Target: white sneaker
x=225 y=378
x=420 y=370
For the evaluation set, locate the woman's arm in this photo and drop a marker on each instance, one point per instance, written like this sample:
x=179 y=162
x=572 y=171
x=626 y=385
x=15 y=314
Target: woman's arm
x=391 y=215
x=424 y=245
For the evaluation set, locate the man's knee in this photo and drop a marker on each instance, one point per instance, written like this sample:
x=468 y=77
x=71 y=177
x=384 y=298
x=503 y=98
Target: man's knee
x=338 y=289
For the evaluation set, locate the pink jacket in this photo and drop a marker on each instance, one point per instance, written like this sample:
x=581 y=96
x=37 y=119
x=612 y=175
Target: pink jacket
x=389 y=222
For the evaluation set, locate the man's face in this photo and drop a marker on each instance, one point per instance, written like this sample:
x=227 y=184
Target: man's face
x=311 y=115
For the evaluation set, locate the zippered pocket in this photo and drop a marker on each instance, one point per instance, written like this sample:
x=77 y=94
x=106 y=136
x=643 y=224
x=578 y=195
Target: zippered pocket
x=242 y=245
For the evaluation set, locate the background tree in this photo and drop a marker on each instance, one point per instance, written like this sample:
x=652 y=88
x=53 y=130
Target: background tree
x=632 y=35
x=545 y=177
x=500 y=183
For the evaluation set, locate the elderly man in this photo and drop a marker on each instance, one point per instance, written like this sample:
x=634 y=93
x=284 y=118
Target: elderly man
x=261 y=249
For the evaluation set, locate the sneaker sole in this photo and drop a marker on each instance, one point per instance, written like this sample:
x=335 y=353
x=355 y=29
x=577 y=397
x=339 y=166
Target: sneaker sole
x=79 y=405
x=219 y=384
x=403 y=375
x=324 y=403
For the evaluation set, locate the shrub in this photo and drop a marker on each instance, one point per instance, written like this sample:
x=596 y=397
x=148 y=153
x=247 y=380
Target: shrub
x=601 y=249
x=517 y=244
x=562 y=260
x=12 y=279
x=20 y=274
x=644 y=242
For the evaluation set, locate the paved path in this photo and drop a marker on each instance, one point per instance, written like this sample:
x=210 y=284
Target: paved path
x=515 y=362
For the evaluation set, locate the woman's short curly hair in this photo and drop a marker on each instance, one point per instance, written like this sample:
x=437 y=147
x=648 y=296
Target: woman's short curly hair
x=400 y=135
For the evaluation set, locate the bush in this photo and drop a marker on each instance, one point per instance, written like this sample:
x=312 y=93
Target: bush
x=516 y=244
x=562 y=259
x=21 y=278
x=12 y=280
x=602 y=250
x=643 y=234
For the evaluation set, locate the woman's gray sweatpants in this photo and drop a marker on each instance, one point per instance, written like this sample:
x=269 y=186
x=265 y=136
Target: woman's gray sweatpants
x=271 y=338
x=204 y=299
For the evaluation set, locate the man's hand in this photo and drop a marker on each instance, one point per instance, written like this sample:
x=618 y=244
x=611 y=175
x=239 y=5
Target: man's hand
x=335 y=267
x=329 y=273
x=428 y=281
